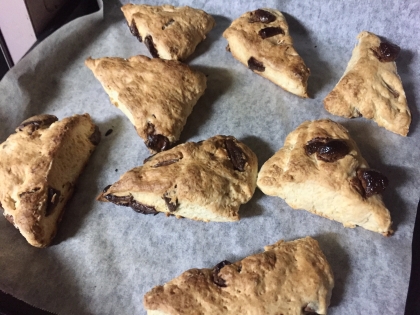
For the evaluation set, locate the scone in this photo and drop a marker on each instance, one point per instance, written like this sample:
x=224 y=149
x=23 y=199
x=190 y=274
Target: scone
x=289 y=278
x=260 y=40
x=156 y=95
x=39 y=166
x=370 y=86
x=205 y=181
x=320 y=169
x=168 y=32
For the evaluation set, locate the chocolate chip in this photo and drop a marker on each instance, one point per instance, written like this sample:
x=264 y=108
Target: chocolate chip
x=106 y=189
x=327 y=149
x=171 y=206
x=134 y=30
x=373 y=182
x=52 y=200
x=261 y=16
x=166 y=163
x=215 y=273
x=168 y=23
x=155 y=141
x=255 y=65
x=236 y=155
x=109 y=131
x=95 y=137
x=37 y=122
x=119 y=200
x=270 y=32
x=141 y=208
x=148 y=41
x=386 y=52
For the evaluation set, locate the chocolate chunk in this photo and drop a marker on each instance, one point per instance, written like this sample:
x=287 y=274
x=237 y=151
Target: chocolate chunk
x=37 y=122
x=141 y=208
x=168 y=23
x=373 y=182
x=236 y=155
x=386 y=52
x=327 y=149
x=95 y=137
x=106 y=189
x=134 y=30
x=109 y=131
x=171 y=206
x=215 y=273
x=154 y=141
x=119 y=200
x=255 y=65
x=166 y=163
x=261 y=16
x=270 y=32
x=52 y=200
x=148 y=41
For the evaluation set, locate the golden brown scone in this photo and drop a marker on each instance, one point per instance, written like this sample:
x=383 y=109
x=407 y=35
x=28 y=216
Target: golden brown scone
x=260 y=40
x=39 y=165
x=289 y=278
x=370 y=87
x=205 y=181
x=168 y=32
x=320 y=169
x=156 y=95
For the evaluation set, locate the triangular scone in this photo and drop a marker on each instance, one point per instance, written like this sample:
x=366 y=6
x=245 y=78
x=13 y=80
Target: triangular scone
x=288 y=278
x=168 y=32
x=320 y=169
x=260 y=40
x=205 y=181
x=39 y=165
x=370 y=86
x=156 y=95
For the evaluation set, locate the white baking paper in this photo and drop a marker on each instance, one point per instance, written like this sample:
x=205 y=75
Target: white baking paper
x=105 y=257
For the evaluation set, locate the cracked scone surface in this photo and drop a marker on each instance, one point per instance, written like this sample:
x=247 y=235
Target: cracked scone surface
x=168 y=32
x=288 y=278
x=261 y=41
x=39 y=165
x=329 y=189
x=371 y=88
x=206 y=181
x=156 y=95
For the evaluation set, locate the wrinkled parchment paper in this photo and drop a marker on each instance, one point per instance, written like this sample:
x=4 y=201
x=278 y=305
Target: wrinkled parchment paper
x=105 y=257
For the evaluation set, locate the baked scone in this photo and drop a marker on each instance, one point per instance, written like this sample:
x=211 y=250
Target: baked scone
x=370 y=86
x=168 y=32
x=320 y=169
x=39 y=166
x=205 y=181
x=156 y=95
x=289 y=278
x=260 y=40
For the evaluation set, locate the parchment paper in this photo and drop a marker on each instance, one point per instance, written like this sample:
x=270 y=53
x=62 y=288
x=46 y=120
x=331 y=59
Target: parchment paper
x=105 y=258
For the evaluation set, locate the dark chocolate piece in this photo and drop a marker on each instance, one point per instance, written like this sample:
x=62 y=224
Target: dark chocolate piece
x=255 y=65
x=270 y=32
x=95 y=137
x=119 y=200
x=52 y=200
x=327 y=149
x=109 y=131
x=134 y=30
x=154 y=141
x=261 y=16
x=141 y=208
x=215 y=273
x=373 y=182
x=148 y=41
x=236 y=155
x=171 y=206
x=37 y=122
x=386 y=52
x=106 y=189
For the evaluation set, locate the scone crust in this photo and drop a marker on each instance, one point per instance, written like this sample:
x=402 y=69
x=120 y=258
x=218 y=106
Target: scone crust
x=199 y=179
x=371 y=88
x=287 y=278
x=323 y=188
x=283 y=65
x=151 y=92
x=35 y=164
x=175 y=31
